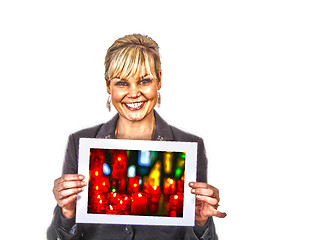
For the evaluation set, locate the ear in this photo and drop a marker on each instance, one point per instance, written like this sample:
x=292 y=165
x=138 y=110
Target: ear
x=159 y=81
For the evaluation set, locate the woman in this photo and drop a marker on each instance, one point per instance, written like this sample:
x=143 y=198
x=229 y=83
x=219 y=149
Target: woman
x=133 y=78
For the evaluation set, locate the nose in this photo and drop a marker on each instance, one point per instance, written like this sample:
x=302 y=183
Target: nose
x=133 y=91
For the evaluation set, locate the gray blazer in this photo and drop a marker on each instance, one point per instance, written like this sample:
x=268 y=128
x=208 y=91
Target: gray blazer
x=62 y=228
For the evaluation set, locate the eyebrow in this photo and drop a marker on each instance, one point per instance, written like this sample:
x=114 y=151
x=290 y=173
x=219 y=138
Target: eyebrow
x=140 y=78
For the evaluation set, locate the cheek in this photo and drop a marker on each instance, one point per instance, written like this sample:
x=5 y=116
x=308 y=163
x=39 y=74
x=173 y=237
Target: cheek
x=151 y=93
x=116 y=96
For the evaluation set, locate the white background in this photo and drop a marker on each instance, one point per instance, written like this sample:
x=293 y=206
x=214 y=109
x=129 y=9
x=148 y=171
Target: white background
x=237 y=73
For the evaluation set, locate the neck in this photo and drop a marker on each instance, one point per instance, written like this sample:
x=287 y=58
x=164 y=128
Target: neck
x=136 y=130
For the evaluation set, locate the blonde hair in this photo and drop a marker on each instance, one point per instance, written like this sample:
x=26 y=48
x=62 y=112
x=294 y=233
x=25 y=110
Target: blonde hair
x=130 y=54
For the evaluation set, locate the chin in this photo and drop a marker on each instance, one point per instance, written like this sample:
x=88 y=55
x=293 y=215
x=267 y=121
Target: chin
x=135 y=117
x=138 y=115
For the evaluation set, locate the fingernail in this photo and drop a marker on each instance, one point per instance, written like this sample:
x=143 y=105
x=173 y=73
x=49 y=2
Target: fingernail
x=193 y=190
x=84 y=183
x=191 y=184
x=81 y=177
x=198 y=196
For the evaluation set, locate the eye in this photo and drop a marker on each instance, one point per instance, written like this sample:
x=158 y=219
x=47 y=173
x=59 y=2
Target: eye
x=145 y=81
x=121 y=84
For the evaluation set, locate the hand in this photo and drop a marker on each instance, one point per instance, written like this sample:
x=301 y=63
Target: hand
x=207 y=199
x=65 y=192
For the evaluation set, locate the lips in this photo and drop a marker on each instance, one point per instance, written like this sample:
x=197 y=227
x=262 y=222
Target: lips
x=134 y=106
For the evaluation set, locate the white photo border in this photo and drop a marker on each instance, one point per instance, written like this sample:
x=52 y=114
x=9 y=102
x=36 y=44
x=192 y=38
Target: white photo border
x=190 y=148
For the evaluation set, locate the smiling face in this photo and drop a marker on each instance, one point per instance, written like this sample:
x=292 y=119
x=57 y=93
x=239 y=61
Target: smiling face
x=133 y=76
x=136 y=96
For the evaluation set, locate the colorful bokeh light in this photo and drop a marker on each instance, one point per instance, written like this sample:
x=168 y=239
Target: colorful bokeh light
x=130 y=182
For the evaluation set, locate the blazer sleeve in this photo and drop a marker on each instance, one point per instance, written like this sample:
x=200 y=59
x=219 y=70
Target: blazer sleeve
x=206 y=232
x=202 y=162
x=62 y=228
x=70 y=165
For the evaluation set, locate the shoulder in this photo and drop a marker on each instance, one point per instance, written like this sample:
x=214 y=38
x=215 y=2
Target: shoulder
x=104 y=130
x=167 y=132
x=180 y=135
x=73 y=139
x=90 y=132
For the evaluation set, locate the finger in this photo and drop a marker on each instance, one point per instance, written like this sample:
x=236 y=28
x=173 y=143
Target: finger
x=69 y=177
x=72 y=177
x=218 y=214
x=202 y=185
x=212 y=201
x=62 y=184
x=71 y=184
x=203 y=191
x=69 y=192
x=209 y=210
x=67 y=200
x=68 y=185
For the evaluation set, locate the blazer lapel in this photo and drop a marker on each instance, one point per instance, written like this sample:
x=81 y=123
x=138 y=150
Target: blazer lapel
x=107 y=130
x=163 y=131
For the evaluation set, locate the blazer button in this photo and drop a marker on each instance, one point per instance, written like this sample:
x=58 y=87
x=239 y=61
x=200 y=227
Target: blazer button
x=128 y=230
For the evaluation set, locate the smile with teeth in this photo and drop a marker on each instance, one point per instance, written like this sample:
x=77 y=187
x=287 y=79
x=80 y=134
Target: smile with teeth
x=134 y=106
